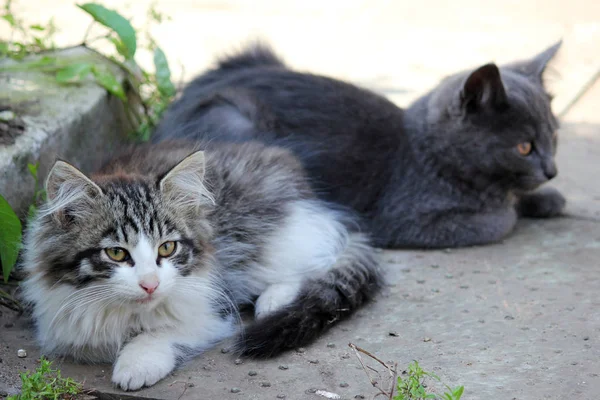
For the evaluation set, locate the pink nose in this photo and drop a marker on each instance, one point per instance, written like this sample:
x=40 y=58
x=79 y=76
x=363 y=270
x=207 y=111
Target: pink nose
x=149 y=287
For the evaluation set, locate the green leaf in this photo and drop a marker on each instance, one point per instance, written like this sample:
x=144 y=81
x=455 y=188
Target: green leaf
x=9 y=18
x=37 y=27
x=73 y=73
x=458 y=392
x=120 y=46
x=115 y=21
x=109 y=81
x=10 y=237
x=163 y=73
x=33 y=169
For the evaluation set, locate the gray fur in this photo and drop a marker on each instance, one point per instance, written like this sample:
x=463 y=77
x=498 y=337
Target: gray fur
x=444 y=172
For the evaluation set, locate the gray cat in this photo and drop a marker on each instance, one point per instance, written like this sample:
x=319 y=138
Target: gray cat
x=454 y=169
x=146 y=263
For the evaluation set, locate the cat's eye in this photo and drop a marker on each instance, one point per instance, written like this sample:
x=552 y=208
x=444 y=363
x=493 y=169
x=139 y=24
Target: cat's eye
x=117 y=254
x=166 y=249
x=524 y=148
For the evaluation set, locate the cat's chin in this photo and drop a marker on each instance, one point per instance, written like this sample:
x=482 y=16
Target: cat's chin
x=148 y=301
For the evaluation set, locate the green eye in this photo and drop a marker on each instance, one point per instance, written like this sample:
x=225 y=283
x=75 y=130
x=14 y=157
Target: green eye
x=166 y=249
x=117 y=254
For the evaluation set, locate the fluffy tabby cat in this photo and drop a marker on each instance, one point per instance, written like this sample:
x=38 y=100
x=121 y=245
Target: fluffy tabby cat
x=146 y=263
x=454 y=169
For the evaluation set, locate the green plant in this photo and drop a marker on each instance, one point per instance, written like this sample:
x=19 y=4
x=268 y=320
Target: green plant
x=155 y=91
x=24 y=39
x=10 y=238
x=152 y=92
x=46 y=383
x=413 y=386
x=10 y=235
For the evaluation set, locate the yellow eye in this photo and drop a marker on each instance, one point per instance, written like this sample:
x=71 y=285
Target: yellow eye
x=524 y=148
x=166 y=249
x=117 y=254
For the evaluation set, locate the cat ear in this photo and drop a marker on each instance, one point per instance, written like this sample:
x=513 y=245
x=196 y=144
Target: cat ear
x=536 y=66
x=483 y=89
x=68 y=188
x=183 y=185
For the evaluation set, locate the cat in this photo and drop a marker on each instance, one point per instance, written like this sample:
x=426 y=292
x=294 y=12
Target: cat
x=147 y=262
x=456 y=168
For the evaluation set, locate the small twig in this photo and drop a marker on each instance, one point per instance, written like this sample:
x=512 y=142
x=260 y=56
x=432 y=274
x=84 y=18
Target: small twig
x=10 y=302
x=184 y=388
x=87 y=32
x=393 y=383
x=372 y=369
x=357 y=350
x=94 y=39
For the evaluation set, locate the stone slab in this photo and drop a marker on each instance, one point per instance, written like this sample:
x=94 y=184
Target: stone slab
x=78 y=123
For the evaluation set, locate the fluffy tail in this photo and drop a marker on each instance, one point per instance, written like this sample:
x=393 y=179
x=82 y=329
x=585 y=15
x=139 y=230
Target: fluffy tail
x=255 y=55
x=322 y=301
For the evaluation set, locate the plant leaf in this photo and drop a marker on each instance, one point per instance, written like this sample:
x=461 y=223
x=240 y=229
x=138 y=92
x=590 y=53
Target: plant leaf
x=10 y=237
x=163 y=73
x=37 y=27
x=9 y=18
x=115 y=21
x=73 y=73
x=120 y=46
x=33 y=169
x=458 y=392
x=109 y=81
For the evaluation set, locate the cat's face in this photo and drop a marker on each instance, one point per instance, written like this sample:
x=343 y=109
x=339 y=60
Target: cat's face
x=498 y=123
x=130 y=237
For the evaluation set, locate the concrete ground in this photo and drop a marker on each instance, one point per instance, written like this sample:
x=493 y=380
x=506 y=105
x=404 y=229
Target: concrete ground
x=514 y=320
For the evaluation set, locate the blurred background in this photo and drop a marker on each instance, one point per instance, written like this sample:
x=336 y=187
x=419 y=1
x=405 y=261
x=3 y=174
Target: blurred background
x=399 y=48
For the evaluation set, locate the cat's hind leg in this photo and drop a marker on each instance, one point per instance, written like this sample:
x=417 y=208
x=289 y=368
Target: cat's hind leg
x=308 y=243
x=316 y=270
x=276 y=297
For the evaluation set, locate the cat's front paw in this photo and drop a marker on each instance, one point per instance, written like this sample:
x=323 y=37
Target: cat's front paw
x=543 y=203
x=142 y=363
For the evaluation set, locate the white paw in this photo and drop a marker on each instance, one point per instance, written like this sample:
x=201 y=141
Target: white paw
x=275 y=297
x=143 y=362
